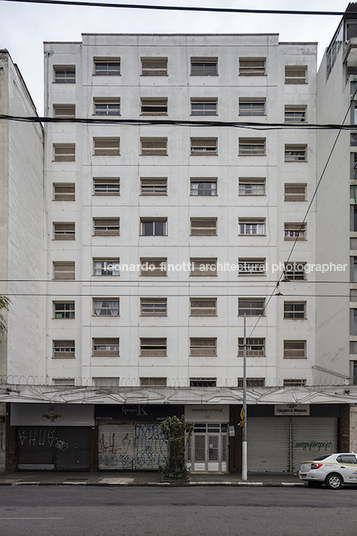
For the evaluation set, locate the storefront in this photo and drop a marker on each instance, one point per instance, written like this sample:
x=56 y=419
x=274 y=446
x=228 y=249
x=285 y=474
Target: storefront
x=130 y=436
x=282 y=436
x=208 y=447
x=52 y=437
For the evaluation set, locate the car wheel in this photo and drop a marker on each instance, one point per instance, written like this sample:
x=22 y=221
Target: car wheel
x=314 y=484
x=334 y=481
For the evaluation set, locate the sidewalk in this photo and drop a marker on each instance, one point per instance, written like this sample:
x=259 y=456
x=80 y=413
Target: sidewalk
x=143 y=478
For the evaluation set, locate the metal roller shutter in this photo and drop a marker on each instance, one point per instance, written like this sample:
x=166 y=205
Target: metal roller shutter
x=312 y=437
x=268 y=444
x=116 y=446
x=72 y=449
x=151 y=448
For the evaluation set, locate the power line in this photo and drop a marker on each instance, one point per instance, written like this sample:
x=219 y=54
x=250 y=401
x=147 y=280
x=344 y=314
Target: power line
x=307 y=210
x=256 y=125
x=187 y=8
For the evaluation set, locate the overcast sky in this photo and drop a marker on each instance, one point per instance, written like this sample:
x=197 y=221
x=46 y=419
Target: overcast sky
x=24 y=27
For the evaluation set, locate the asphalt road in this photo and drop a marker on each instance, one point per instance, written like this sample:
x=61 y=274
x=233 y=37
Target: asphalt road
x=196 y=511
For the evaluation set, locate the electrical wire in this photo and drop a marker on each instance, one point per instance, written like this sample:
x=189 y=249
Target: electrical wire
x=187 y=8
x=256 y=125
x=307 y=210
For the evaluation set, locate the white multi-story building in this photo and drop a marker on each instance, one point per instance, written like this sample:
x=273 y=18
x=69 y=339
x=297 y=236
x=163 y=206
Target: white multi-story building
x=166 y=223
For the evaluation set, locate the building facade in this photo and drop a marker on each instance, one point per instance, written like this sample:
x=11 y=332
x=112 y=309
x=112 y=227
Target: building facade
x=21 y=234
x=179 y=189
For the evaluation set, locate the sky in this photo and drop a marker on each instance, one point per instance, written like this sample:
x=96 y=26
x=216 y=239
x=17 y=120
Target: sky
x=24 y=27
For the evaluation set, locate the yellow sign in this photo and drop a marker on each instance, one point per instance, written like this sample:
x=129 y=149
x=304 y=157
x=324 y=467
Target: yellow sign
x=242 y=414
x=241 y=424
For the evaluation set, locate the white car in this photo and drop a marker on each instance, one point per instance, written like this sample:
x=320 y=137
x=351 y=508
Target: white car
x=332 y=470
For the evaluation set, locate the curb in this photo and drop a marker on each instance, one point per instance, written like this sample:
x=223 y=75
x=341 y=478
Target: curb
x=159 y=484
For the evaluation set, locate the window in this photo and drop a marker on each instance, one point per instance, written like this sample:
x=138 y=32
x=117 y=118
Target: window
x=64 y=152
x=153 y=347
x=202 y=267
x=295 y=310
x=106 y=185
x=69 y=382
x=294 y=383
x=251 y=106
x=204 y=146
x=153 y=146
x=203 y=106
x=251 y=226
x=64 y=74
x=203 y=347
x=64 y=192
x=251 y=186
x=63 y=350
x=63 y=309
x=154 y=267
x=252 y=382
x=106 y=306
x=64 y=111
x=153 y=382
x=106 y=146
x=294 y=192
x=354 y=218
x=295 y=153
x=154 y=106
x=153 y=227
x=294 y=271
x=106 y=267
x=106 y=347
x=153 y=306
x=203 y=226
x=106 y=106
x=63 y=231
x=204 y=66
x=107 y=66
x=153 y=186
x=106 y=226
x=153 y=66
x=255 y=347
x=64 y=270
x=346 y=458
x=203 y=186
x=354 y=372
x=105 y=382
x=295 y=74
x=251 y=306
x=251 y=266
x=294 y=349
x=295 y=114
x=353 y=313
x=203 y=382
x=252 y=66
x=203 y=306
x=251 y=147
x=294 y=231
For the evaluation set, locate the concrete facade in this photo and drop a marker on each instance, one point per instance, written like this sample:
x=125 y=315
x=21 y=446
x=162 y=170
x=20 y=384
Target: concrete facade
x=21 y=232
x=178 y=206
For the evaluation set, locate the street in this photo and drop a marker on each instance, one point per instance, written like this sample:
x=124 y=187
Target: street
x=182 y=511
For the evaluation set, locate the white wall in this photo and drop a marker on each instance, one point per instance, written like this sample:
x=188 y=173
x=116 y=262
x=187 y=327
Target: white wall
x=178 y=206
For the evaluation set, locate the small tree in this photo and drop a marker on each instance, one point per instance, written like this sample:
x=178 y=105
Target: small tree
x=177 y=432
x=4 y=304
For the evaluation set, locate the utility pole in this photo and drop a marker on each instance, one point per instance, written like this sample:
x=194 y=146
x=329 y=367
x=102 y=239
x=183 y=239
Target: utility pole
x=244 y=411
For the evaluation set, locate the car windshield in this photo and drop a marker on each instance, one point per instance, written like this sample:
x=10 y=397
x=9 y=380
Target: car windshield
x=321 y=458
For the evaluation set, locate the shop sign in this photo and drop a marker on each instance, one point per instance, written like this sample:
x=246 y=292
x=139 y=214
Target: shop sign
x=204 y=413
x=52 y=415
x=137 y=412
x=295 y=410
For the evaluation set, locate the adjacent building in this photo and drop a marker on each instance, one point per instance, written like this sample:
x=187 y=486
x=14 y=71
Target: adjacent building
x=21 y=234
